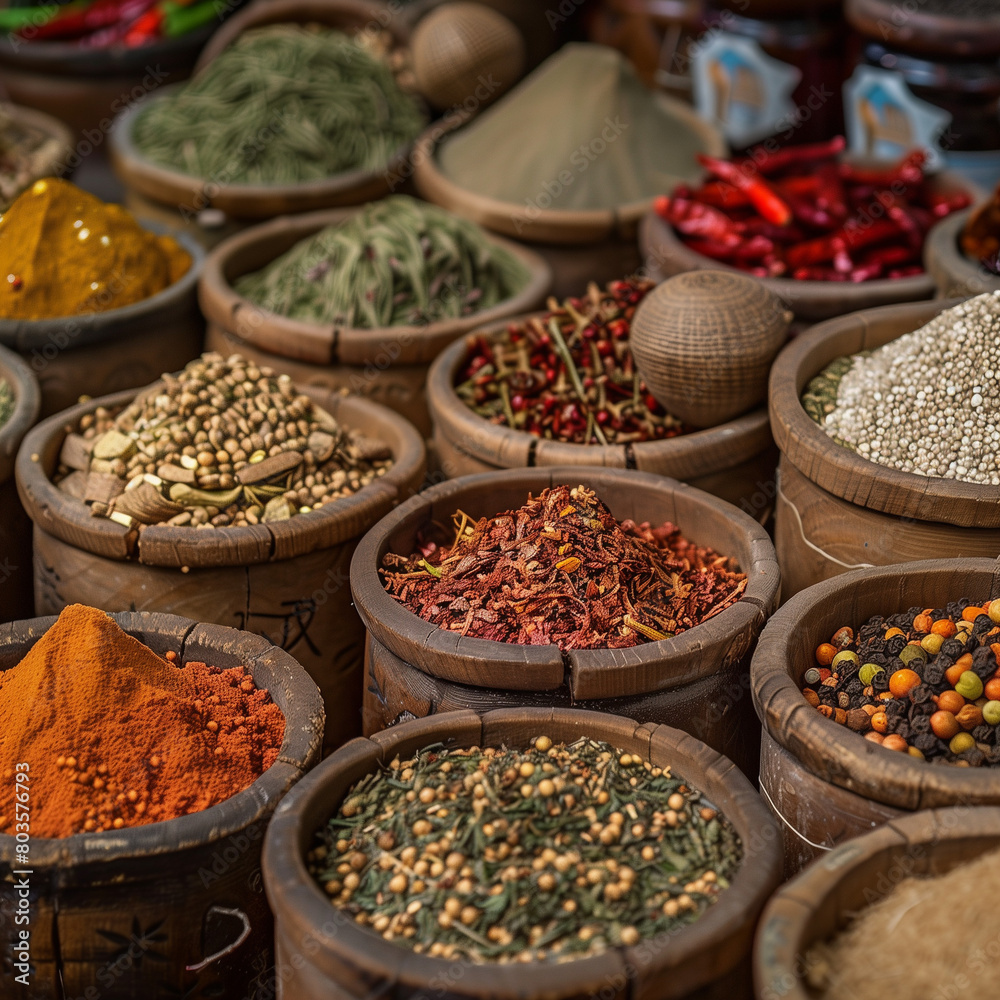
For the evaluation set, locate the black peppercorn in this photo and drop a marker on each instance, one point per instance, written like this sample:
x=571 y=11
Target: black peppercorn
x=975 y=757
x=984 y=733
x=952 y=648
x=927 y=742
x=920 y=724
x=895 y=645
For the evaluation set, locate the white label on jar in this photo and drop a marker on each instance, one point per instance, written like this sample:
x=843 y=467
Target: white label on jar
x=740 y=88
x=885 y=120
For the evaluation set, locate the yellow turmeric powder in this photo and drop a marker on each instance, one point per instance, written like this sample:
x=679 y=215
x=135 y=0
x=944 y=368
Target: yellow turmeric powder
x=64 y=252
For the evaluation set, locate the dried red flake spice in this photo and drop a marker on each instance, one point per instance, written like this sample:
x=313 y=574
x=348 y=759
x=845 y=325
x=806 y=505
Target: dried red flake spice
x=561 y=570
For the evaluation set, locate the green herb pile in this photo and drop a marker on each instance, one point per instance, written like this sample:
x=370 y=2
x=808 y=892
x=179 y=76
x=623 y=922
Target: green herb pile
x=6 y=401
x=552 y=853
x=281 y=105
x=396 y=262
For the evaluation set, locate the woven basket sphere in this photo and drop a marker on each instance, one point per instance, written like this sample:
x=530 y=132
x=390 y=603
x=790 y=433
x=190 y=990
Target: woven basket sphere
x=704 y=341
x=466 y=54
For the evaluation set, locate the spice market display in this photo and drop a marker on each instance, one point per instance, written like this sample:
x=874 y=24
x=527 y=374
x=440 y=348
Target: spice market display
x=557 y=852
x=222 y=443
x=238 y=591
x=562 y=570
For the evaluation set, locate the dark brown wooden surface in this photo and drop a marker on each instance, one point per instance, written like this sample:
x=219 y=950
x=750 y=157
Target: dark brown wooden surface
x=832 y=752
x=829 y=894
x=128 y=912
x=955 y=275
x=353 y=960
x=697 y=653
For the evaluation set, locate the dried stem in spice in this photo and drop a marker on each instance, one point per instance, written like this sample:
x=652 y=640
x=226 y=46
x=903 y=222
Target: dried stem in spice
x=561 y=570
x=553 y=853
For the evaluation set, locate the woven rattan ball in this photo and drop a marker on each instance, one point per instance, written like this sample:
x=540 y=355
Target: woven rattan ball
x=704 y=341
x=466 y=55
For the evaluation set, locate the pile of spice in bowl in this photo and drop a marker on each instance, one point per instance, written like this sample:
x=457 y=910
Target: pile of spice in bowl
x=568 y=375
x=27 y=153
x=117 y=736
x=283 y=104
x=396 y=262
x=924 y=682
x=980 y=236
x=498 y=854
x=7 y=401
x=562 y=570
x=223 y=443
x=66 y=253
x=804 y=213
x=927 y=402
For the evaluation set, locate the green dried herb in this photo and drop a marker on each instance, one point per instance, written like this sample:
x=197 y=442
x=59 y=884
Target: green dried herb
x=505 y=855
x=6 y=401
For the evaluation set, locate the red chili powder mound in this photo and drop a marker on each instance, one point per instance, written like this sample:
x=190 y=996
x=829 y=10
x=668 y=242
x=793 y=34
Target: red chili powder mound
x=115 y=736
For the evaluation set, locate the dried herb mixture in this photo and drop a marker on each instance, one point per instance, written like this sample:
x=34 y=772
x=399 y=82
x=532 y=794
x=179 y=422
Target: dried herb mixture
x=561 y=570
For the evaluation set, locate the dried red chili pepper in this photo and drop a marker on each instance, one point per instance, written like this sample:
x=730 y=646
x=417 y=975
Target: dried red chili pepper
x=795 y=156
x=762 y=196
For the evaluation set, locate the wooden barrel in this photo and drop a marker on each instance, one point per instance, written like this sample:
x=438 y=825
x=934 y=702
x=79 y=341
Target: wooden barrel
x=321 y=952
x=581 y=246
x=734 y=461
x=15 y=528
x=388 y=364
x=287 y=581
x=186 y=200
x=86 y=88
x=955 y=274
x=177 y=905
x=697 y=679
x=102 y=352
x=824 y=899
x=823 y=781
x=837 y=511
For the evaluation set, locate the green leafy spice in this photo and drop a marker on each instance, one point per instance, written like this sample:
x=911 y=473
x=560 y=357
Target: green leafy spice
x=6 y=401
x=283 y=104
x=498 y=854
x=396 y=262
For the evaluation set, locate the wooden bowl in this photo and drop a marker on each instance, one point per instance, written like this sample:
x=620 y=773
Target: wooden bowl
x=827 y=782
x=826 y=897
x=705 y=959
x=59 y=163
x=955 y=274
x=704 y=341
x=185 y=886
x=192 y=195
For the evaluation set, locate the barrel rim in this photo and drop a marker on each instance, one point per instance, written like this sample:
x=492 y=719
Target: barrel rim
x=453 y=418
x=831 y=751
x=58 y=514
x=300 y=749
x=640 y=669
x=532 y=224
x=27 y=404
x=759 y=873
x=839 y=470
x=786 y=928
x=111 y=324
x=335 y=344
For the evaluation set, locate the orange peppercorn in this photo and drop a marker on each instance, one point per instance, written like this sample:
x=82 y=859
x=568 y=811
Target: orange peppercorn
x=825 y=652
x=903 y=681
x=945 y=627
x=923 y=623
x=894 y=742
x=840 y=716
x=955 y=671
x=964 y=661
x=825 y=710
x=891 y=633
x=874 y=737
x=944 y=725
x=992 y=689
x=950 y=701
x=843 y=637
x=972 y=612
x=880 y=722
x=969 y=716
x=810 y=696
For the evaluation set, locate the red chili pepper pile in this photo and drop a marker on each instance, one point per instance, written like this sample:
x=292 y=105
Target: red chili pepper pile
x=568 y=375
x=802 y=213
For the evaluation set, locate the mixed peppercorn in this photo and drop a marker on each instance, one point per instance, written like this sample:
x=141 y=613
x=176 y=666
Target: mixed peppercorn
x=803 y=213
x=925 y=682
x=568 y=374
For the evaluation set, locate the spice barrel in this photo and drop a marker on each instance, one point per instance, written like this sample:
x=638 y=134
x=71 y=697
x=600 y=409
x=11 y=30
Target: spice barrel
x=287 y=580
x=836 y=510
x=177 y=198
x=102 y=352
x=824 y=899
x=953 y=272
x=705 y=960
x=389 y=364
x=697 y=679
x=187 y=891
x=734 y=461
x=823 y=781
x=15 y=528
x=580 y=245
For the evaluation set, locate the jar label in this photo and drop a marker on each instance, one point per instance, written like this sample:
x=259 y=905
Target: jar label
x=741 y=89
x=885 y=120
